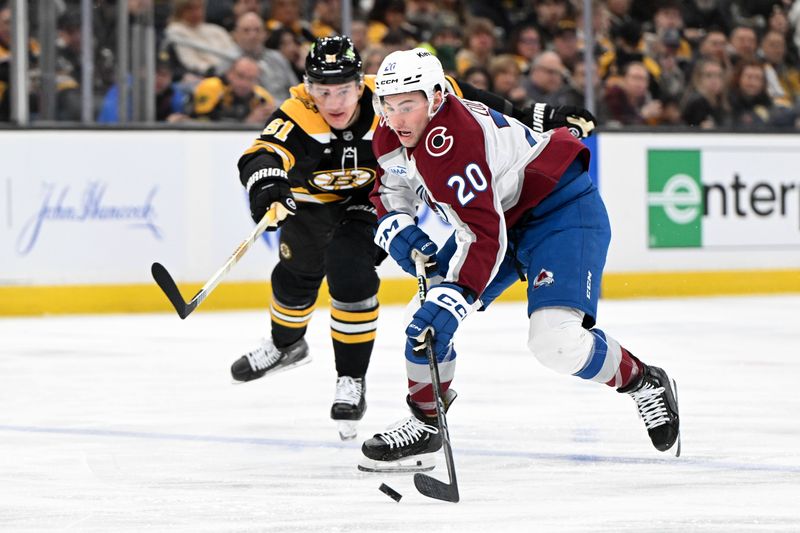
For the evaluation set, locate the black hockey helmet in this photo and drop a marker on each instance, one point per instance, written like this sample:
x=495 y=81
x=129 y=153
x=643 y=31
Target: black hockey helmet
x=333 y=60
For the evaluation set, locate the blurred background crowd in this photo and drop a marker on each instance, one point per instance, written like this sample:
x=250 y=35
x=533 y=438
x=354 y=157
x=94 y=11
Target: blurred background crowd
x=709 y=64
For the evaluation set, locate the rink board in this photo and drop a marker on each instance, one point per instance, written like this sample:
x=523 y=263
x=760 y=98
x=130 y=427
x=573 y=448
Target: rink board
x=80 y=227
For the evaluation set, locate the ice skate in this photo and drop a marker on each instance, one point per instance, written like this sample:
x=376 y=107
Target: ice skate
x=267 y=359
x=656 y=397
x=409 y=445
x=349 y=405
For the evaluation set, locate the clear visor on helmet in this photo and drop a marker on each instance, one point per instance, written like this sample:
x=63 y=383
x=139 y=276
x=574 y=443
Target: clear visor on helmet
x=342 y=93
x=400 y=105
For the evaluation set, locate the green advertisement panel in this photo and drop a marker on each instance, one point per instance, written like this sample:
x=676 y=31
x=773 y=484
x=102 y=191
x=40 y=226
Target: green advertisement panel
x=674 y=199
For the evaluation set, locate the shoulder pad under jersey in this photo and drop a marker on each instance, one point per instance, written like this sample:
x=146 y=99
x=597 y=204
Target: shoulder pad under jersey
x=301 y=109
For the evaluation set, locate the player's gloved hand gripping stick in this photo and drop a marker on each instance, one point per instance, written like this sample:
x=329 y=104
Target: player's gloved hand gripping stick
x=427 y=485
x=271 y=219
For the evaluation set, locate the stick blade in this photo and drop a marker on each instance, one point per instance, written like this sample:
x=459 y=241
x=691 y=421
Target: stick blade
x=433 y=488
x=170 y=288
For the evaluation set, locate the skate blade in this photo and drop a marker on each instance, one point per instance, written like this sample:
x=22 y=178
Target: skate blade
x=348 y=429
x=277 y=370
x=676 y=448
x=419 y=463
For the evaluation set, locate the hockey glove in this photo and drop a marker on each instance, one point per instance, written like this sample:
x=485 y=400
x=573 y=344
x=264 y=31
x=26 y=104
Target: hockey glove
x=580 y=122
x=445 y=307
x=268 y=186
x=398 y=235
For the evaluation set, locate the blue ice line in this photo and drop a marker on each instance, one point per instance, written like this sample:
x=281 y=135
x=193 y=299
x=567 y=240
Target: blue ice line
x=305 y=444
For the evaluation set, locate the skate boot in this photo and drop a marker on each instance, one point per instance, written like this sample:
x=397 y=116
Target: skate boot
x=269 y=359
x=656 y=397
x=349 y=405
x=408 y=445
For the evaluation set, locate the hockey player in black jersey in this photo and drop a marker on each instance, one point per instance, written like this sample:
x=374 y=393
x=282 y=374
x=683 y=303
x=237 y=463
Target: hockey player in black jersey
x=314 y=158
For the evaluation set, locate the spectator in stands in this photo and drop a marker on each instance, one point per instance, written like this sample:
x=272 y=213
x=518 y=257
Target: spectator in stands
x=525 y=44
x=715 y=46
x=702 y=16
x=226 y=13
x=286 y=14
x=235 y=97
x=783 y=79
x=619 y=12
x=575 y=89
x=479 y=45
x=68 y=67
x=705 y=105
x=548 y=14
x=372 y=57
x=545 y=82
x=506 y=77
x=426 y=16
x=326 y=20
x=751 y=106
x=672 y=82
x=779 y=22
x=358 y=34
x=478 y=77
x=565 y=43
x=387 y=17
x=172 y=101
x=202 y=49
x=630 y=101
x=744 y=44
x=670 y=111
x=611 y=65
x=446 y=41
x=286 y=42
x=276 y=73
x=667 y=19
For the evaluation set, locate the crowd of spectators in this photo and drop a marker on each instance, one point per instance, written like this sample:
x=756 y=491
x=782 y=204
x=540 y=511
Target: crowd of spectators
x=710 y=64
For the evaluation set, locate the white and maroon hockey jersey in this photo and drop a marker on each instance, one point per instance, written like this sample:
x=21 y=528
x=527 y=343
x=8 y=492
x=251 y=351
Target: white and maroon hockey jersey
x=480 y=171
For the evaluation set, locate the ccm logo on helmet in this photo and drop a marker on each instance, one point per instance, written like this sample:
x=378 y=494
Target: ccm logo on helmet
x=388 y=82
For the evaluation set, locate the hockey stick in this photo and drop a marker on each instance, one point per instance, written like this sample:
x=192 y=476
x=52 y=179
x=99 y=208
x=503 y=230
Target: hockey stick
x=170 y=288
x=427 y=485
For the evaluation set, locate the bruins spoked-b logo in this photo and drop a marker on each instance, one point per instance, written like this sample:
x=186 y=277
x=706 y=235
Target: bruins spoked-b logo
x=338 y=180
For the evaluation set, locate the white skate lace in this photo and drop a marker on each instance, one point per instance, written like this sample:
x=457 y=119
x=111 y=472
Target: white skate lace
x=650 y=402
x=264 y=356
x=406 y=431
x=348 y=390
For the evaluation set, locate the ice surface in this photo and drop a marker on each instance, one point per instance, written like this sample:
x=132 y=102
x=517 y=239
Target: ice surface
x=131 y=423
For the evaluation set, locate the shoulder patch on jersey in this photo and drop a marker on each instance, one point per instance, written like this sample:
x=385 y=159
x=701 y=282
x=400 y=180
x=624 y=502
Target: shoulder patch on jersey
x=301 y=109
x=438 y=141
x=309 y=120
x=398 y=170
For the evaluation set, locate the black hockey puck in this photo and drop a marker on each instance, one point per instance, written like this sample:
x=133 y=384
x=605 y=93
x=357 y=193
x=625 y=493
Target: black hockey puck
x=390 y=492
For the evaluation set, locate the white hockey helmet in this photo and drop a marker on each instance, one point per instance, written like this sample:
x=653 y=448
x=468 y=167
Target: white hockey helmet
x=406 y=71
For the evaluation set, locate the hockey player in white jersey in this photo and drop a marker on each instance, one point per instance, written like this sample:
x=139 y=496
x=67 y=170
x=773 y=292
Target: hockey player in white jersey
x=521 y=204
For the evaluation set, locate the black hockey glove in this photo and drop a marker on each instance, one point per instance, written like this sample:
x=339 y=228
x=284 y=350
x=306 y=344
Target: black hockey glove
x=577 y=120
x=266 y=187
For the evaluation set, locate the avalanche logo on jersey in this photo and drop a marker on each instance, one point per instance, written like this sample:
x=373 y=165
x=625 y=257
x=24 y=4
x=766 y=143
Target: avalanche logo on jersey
x=438 y=143
x=543 y=279
x=338 y=180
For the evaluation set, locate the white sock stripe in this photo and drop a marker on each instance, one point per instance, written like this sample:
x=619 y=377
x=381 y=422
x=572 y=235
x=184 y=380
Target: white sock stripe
x=422 y=373
x=349 y=327
x=426 y=406
x=289 y=318
x=610 y=367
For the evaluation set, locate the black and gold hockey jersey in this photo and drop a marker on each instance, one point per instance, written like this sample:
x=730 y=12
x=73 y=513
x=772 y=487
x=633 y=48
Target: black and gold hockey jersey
x=324 y=165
